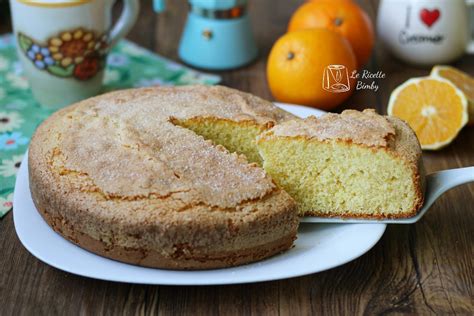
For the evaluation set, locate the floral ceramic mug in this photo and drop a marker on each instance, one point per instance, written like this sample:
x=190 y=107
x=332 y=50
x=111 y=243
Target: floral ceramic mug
x=63 y=44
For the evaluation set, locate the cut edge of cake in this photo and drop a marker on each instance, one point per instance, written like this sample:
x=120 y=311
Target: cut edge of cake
x=308 y=158
x=235 y=136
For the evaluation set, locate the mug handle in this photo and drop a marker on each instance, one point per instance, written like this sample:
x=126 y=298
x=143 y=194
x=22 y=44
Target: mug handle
x=125 y=22
x=470 y=46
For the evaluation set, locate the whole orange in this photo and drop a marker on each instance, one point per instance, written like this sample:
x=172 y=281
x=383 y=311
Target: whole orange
x=344 y=17
x=299 y=61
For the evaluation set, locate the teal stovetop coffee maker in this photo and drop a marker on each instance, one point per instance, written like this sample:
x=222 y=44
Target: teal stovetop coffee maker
x=217 y=34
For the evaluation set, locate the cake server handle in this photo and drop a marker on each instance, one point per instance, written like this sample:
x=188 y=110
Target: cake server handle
x=441 y=181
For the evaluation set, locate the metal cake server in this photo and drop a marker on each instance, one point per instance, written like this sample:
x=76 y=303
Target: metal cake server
x=436 y=184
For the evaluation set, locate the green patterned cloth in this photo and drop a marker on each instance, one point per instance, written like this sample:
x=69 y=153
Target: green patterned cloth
x=128 y=65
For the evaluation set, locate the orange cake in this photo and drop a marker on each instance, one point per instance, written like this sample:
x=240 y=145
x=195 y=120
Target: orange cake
x=354 y=164
x=125 y=175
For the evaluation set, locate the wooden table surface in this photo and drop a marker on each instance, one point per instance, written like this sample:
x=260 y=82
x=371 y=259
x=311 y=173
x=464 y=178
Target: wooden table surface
x=416 y=269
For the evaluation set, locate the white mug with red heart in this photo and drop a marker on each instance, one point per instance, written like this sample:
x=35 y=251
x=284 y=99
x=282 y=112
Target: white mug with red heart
x=426 y=32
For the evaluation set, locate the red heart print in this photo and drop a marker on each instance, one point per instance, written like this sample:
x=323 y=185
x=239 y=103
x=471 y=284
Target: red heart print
x=429 y=17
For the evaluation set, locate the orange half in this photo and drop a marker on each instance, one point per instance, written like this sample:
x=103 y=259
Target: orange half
x=460 y=79
x=434 y=108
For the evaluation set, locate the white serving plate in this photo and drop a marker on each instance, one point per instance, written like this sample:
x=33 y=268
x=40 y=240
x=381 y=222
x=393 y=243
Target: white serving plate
x=319 y=247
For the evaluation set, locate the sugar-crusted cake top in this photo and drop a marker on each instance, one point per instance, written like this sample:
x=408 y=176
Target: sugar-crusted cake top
x=207 y=101
x=123 y=145
x=364 y=128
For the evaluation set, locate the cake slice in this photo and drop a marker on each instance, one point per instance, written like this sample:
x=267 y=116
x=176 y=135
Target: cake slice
x=350 y=165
